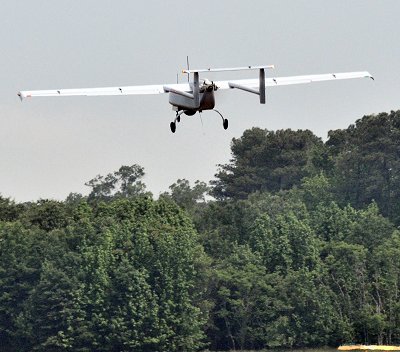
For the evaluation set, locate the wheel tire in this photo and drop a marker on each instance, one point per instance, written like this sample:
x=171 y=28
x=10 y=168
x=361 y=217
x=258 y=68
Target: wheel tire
x=172 y=126
x=225 y=124
x=178 y=119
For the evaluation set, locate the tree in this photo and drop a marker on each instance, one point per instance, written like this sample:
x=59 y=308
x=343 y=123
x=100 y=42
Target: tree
x=367 y=163
x=264 y=160
x=192 y=199
x=46 y=214
x=44 y=321
x=384 y=320
x=139 y=280
x=124 y=183
x=245 y=303
x=9 y=210
x=20 y=265
x=186 y=196
x=285 y=243
x=102 y=187
x=129 y=179
x=347 y=277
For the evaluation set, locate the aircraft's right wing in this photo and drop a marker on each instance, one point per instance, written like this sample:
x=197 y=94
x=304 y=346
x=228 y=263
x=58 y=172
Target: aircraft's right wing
x=282 y=81
x=121 y=90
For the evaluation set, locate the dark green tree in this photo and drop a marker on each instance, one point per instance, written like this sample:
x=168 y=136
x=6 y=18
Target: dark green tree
x=21 y=253
x=264 y=160
x=46 y=214
x=367 y=163
x=44 y=321
x=245 y=303
x=9 y=210
x=384 y=321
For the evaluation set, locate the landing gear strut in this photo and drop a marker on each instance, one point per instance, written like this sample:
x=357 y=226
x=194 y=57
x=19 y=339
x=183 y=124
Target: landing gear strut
x=224 y=121
x=172 y=125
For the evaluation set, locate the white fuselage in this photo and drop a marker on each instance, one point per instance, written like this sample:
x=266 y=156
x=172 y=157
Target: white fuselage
x=206 y=99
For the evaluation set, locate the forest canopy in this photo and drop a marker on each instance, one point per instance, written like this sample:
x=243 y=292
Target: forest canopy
x=299 y=247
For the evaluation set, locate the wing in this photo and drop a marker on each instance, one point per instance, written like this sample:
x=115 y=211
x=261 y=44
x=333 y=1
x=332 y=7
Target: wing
x=127 y=90
x=246 y=84
x=283 y=81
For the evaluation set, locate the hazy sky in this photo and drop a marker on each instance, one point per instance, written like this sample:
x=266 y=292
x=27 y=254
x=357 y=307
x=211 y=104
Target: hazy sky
x=50 y=147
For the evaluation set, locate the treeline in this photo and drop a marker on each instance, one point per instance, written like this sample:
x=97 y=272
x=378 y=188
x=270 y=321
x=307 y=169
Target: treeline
x=299 y=248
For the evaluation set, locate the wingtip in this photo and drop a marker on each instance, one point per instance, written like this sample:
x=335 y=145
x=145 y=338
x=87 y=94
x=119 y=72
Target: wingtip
x=368 y=75
x=24 y=94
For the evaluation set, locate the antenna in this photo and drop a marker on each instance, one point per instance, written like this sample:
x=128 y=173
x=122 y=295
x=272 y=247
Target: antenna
x=188 y=67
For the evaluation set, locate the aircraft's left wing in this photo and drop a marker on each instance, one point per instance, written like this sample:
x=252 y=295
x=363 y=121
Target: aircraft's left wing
x=127 y=90
x=281 y=81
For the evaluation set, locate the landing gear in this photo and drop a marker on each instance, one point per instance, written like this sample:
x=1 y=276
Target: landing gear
x=178 y=116
x=224 y=121
x=172 y=125
x=225 y=124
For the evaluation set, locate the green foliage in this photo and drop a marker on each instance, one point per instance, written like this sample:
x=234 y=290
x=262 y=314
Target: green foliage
x=385 y=270
x=316 y=190
x=367 y=163
x=191 y=199
x=286 y=243
x=46 y=215
x=243 y=297
x=123 y=277
x=266 y=161
x=186 y=196
x=20 y=264
x=9 y=210
x=124 y=183
x=301 y=249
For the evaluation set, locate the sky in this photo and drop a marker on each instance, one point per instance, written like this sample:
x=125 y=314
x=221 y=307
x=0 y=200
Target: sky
x=50 y=147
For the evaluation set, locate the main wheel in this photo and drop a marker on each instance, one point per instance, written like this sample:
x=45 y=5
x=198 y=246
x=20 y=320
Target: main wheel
x=172 y=126
x=225 y=124
x=178 y=118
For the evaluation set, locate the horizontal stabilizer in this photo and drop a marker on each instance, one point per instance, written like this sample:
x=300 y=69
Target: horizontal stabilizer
x=244 y=68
